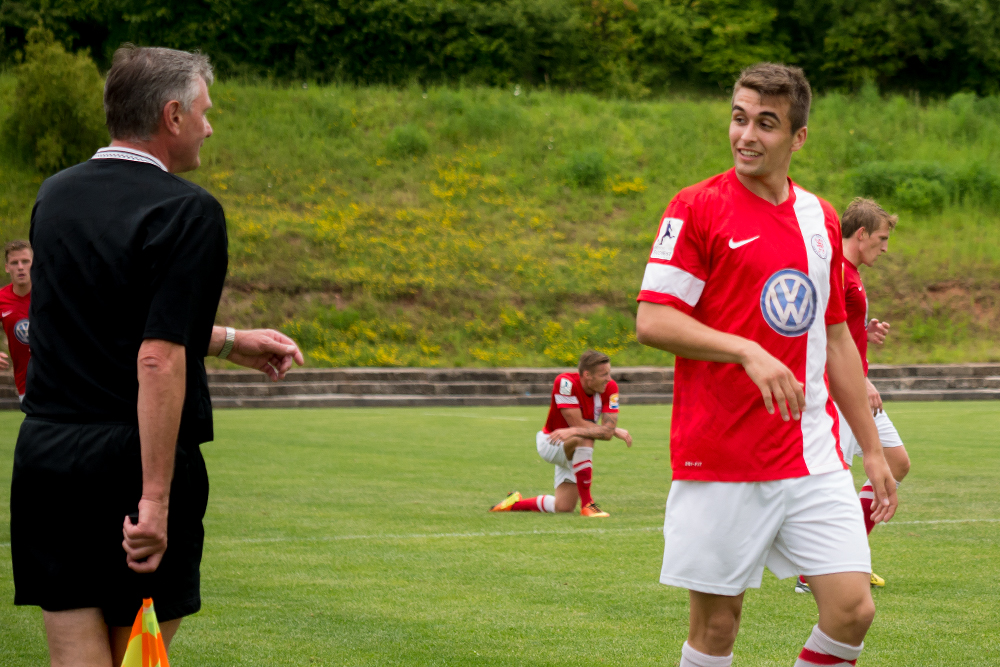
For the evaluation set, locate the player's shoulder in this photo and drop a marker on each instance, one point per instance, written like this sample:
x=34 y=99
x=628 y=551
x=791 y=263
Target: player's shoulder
x=566 y=383
x=705 y=193
x=829 y=212
x=612 y=387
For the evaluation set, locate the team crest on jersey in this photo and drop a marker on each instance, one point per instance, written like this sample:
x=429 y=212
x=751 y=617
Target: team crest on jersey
x=666 y=238
x=819 y=245
x=788 y=302
x=21 y=331
x=566 y=387
x=613 y=402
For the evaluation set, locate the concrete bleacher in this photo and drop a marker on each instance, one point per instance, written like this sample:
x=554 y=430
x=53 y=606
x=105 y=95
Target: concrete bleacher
x=359 y=387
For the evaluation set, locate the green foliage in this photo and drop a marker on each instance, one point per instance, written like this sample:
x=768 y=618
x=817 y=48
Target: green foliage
x=57 y=119
x=407 y=141
x=587 y=169
x=614 y=48
x=485 y=252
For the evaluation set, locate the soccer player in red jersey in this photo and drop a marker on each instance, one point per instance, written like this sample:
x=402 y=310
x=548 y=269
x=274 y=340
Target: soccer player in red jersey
x=745 y=286
x=579 y=401
x=15 y=301
x=866 y=228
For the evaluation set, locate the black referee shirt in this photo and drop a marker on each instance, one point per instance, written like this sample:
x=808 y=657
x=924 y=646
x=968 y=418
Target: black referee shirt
x=124 y=251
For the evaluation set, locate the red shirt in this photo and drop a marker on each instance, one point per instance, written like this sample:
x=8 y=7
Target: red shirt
x=14 y=313
x=856 y=302
x=567 y=392
x=772 y=274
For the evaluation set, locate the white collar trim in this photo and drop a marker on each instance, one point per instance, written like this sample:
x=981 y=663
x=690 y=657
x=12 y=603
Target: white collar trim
x=123 y=153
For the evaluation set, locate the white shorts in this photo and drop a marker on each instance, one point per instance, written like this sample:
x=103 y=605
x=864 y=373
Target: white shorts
x=886 y=433
x=556 y=455
x=718 y=536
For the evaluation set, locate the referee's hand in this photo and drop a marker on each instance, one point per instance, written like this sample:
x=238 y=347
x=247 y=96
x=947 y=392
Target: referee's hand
x=146 y=541
x=266 y=350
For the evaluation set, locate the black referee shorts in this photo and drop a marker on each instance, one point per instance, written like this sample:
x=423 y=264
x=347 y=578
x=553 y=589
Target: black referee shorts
x=73 y=486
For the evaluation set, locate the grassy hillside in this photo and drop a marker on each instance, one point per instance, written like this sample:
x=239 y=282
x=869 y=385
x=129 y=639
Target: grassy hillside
x=507 y=227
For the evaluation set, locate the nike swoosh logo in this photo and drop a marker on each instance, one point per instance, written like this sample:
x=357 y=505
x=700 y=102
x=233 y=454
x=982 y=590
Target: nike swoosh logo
x=6 y=314
x=736 y=244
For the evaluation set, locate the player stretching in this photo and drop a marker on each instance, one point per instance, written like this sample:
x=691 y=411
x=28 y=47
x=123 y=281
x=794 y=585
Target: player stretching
x=15 y=300
x=579 y=401
x=747 y=291
x=866 y=228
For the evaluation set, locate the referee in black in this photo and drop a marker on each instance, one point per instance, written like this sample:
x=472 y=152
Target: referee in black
x=128 y=270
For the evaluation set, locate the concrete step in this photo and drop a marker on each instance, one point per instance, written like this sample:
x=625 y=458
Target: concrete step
x=937 y=383
x=628 y=375
x=403 y=400
x=412 y=388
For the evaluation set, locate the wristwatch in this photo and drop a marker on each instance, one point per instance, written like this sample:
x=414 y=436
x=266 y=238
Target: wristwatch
x=227 y=347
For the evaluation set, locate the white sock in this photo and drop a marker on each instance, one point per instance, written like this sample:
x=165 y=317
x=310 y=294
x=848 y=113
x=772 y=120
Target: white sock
x=582 y=457
x=820 y=647
x=546 y=504
x=693 y=658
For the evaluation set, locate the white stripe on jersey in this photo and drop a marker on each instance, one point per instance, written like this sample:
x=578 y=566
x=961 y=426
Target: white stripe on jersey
x=676 y=282
x=818 y=442
x=566 y=400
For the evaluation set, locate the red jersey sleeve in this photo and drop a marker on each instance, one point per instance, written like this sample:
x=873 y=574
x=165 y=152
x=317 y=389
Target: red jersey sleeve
x=564 y=392
x=835 y=310
x=609 y=399
x=678 y=265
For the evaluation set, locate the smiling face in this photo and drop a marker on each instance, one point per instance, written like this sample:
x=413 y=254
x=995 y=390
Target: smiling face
x=596 y=380
x=873 y=245
x=761 y=136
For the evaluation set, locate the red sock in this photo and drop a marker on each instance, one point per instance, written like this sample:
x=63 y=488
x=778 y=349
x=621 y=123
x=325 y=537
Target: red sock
x=536 y=504
x=867 y=497
x=584 y=475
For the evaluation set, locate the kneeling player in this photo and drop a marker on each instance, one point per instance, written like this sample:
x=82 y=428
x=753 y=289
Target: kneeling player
x=579 y=401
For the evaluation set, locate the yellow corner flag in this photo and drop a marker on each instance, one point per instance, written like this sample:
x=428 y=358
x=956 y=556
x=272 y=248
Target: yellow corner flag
x=145 y=644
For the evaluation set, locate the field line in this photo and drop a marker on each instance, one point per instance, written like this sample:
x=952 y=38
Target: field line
x=419 y=536
x=511 y=533
x=912 y=523
x=445 y=414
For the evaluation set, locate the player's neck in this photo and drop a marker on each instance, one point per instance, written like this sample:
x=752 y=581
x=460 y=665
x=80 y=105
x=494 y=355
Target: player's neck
x=21 y=290
x=852 y=253
x=772 y=188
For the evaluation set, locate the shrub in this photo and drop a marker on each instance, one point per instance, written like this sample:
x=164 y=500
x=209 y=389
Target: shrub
x=58 y=117
x=587 y=169
x=407 y=141
x=921 y=195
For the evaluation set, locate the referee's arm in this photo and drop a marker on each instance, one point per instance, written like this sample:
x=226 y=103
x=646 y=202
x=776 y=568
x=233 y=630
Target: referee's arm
x=161 y=372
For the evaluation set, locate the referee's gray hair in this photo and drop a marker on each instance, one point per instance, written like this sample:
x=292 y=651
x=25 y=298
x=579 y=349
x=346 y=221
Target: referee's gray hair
x=141 y=82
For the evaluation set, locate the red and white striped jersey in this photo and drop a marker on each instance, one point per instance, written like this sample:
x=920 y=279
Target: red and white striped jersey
x=567 y=392
x=773 y=274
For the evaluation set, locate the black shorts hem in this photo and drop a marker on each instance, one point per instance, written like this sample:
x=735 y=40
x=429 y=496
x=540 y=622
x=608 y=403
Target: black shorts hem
x=117 y=618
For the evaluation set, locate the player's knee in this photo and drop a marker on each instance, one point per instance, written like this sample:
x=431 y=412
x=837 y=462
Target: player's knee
x=902 y=466
x=855 y=619
x=720 y=628
x=565 y=506
x=863 y=615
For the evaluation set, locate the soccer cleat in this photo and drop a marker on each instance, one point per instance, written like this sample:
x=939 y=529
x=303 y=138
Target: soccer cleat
x=592 y=510
x=505 y=504
x=802 y=586
x=877 y=581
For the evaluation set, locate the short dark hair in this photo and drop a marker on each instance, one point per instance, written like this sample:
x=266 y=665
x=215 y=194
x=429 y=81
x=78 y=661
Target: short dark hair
x=867 y=214
x=16 y=244
x=141 y=82
x=591 y=359
x=777 y=80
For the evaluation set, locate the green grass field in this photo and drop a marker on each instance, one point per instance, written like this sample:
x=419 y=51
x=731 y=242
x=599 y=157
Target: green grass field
x=360 y=537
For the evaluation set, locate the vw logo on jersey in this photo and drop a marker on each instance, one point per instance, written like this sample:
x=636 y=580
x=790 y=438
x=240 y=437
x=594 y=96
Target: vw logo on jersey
x=21 y=331
x=788 y=302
